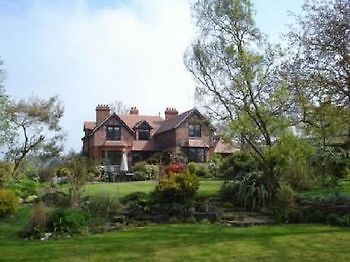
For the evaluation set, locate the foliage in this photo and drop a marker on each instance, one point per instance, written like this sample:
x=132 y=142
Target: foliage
x=78 y=170
x=102 y=204
x=238 y=164
x=177 y=188
x=135 y=199
x=67 y=221
x=292 y=156
x=237 y=76
x=8 y=202
x=46 y=175
x=37 y=225
x=159 y=158
x=175 y=168
x=285 y=196
x=55 y=198
x=36 y=117
x=6 y=169
x=25 y=187
x=319 y=67
x=144 y=171
x=6 y=127
x=330 y=164
x=202 y=170
x=248 y=191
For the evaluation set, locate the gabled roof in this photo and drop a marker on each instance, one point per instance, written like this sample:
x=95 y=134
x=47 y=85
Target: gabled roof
x=132 y=120
x=142 y=124
x=109 y=117
x=158 y=124
x=222 y=147
x=175 y=122
x=129 y=121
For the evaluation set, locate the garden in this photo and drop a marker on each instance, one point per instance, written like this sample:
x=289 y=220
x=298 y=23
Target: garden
x=285 y=195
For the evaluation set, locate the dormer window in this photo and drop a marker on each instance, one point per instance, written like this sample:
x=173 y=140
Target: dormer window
x=144 y=134
x=194 y=130
x=113 y=132
x=143 y=130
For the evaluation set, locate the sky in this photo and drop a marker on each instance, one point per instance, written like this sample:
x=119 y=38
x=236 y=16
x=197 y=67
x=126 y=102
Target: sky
x=93 y=52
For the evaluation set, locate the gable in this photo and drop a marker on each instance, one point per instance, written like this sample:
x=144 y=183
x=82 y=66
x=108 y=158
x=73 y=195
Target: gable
x=112 y=120
x=175 y=122
x=143 y=124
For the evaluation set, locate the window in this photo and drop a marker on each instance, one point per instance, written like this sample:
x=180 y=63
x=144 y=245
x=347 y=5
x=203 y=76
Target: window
x=113 y=132
x=194 y=130
x=113 y=157
x=144 y=134
x=196 y=154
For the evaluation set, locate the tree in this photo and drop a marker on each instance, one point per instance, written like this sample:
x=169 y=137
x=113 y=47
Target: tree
x=318 y=66
x=37 y=122
x=236 y=71
x=6 y=129
x=118 y=107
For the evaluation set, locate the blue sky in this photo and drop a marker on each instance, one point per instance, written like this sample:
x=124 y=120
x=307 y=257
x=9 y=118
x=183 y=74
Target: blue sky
x=99 y=51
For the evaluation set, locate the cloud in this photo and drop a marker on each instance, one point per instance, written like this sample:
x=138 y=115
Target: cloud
x=129 y=51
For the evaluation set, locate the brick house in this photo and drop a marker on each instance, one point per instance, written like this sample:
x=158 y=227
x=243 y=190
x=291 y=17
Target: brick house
x=140 y=136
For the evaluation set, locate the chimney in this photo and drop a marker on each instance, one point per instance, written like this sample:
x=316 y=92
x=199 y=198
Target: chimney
x=134 y=111
x=170 y=113
x=102 y=112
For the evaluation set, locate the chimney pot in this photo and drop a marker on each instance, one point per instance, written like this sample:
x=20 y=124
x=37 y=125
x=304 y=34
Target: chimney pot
x=134 y=111
x=102 y=112
x=170 y=112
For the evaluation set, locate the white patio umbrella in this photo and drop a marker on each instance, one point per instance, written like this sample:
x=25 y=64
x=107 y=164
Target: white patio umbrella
x=124 y=164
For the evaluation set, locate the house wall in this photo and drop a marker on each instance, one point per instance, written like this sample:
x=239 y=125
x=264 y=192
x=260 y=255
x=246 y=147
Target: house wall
x=182 y=136
x=100 y=135
x=167 y=140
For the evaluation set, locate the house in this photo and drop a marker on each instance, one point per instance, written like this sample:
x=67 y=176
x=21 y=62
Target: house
x=140 y=136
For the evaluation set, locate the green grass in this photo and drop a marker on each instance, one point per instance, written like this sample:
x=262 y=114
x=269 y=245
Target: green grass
x=190 y=243
x=206 y=188
x=342 y=190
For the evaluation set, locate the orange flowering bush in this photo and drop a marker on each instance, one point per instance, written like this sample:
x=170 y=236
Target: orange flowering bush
x=175 y=168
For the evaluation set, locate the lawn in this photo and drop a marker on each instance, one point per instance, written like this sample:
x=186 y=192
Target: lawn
x=121 y=189
x=187 y=243
x=343 y=189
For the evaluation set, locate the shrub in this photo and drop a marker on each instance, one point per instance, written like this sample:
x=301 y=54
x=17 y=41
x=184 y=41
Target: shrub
x=285 y=196
x=199 y=169
x=25 y=187
x=102 y=204
x=288 y=215
x=80 y=169
x=292 y=156
x=175 y=168
x=135 y=199
x=8 y=202
x=144 y=171
x=6 y=169
x=55 y=198
x=330 y=164
x=248 y=191
x=36 y=227
x=238 y=164
x=177 y=188
x=67 y=222
x=46 y=175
